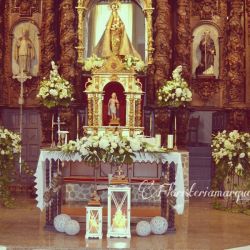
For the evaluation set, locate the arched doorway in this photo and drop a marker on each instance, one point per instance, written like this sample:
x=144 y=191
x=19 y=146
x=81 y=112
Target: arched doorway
x=119 y=90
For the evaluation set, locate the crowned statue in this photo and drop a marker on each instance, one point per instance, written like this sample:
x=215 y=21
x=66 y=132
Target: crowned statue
x=115 y=41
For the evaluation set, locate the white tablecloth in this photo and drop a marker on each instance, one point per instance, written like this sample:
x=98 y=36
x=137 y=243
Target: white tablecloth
x=40 y=175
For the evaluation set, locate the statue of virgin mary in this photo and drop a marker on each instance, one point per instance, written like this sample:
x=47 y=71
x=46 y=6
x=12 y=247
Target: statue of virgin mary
x=115 y=40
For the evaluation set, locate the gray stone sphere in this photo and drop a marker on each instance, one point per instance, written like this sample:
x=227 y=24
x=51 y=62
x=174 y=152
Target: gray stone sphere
x=143 y=228
x=60 y=221
x=159 y=225
x=72 y=227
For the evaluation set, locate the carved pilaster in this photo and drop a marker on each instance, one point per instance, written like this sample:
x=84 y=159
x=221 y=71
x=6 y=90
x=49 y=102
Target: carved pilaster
x=1 y=48
x=67 y=39
x=138 y=114
x=183 y=32
x=163 y=36
x=235 y=54
x=48 y=36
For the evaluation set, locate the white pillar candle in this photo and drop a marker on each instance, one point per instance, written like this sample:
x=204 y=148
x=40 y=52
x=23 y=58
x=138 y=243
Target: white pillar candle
x=158 y=140
x=170 y=141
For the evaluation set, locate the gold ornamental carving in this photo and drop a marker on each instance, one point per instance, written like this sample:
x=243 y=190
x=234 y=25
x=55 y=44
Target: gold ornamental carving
x=206 y=9
x=26 y=8
x=90 y=112
x=183 y=41
x=48 y=36
x=163 y=36
x=235 y=55
x=206 y=87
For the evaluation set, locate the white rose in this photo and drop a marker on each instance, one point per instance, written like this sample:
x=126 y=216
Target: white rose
x=178 y=92
x=83 y=151
x=53 y=92
x=103 y=143
x=242 y=155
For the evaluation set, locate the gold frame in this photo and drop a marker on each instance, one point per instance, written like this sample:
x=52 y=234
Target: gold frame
x=82 y=7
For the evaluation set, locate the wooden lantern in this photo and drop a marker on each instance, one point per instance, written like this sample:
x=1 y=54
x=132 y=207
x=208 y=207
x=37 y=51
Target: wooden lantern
x=119 y=203
x=93 y=222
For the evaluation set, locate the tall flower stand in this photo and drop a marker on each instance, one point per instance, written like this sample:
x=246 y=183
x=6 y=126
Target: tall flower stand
x=93 y=222
x=119 y=204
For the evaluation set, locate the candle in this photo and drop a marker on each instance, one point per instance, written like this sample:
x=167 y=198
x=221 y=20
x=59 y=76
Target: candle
x=158 y=140
x=150 y=125
x=170 y=141
x=77 y=125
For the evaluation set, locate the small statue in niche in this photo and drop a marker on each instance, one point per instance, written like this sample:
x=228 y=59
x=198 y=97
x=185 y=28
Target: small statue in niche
x=24 y=53
x=208 y=52
x=113 y=107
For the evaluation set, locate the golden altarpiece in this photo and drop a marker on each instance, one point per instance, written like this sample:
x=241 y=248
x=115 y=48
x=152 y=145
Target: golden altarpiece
x=113 y=76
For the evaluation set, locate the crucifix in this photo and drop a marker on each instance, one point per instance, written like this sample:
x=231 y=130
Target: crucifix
x=22 y=77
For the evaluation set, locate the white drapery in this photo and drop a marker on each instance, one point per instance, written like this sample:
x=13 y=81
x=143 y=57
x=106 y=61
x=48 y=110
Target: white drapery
x=40 y=177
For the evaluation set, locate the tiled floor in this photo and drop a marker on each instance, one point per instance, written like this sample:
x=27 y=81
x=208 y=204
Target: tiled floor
x=200 y=227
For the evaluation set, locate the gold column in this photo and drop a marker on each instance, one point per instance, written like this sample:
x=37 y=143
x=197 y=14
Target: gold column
x=138 y=113
x=48 y=37
x=81 y=11
x=90 y=111
x=1 y=48
x=183 y=35
x=67 y=39
x=148 y=13
x=131 y=112
x=163 y=36
x=235 y=59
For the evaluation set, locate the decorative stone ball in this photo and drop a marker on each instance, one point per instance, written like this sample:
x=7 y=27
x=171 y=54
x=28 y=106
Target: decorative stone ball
x=60 y=221
x=143 y=228
x=72 y=227
x=159 y=225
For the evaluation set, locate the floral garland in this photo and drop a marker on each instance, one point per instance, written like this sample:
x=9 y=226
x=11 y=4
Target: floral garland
x=10 y=147
x=109 y=148
x=93 y=62
x=134 y=62
x=174 y=92
x=56 y=91
x=129 y=62
x=231 y=152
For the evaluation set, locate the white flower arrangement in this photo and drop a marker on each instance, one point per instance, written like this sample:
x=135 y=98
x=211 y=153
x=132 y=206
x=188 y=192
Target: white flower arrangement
x=110 y=148
x=10 y=146
x=93 y=62
x=134 y=62
x=176 y=91
x=56 y=91
x=231 y=152
x=9 y=143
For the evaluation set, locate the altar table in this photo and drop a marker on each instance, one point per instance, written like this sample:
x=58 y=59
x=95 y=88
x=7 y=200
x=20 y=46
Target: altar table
x=149 y=157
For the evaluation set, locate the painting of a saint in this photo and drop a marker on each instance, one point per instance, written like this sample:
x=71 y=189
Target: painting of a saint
x=115 y=40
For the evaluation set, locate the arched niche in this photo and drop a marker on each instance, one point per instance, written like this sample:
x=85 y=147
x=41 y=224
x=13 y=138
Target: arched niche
x=144 y=35
x=198 y=33
x=114 y=87
x=25 y=41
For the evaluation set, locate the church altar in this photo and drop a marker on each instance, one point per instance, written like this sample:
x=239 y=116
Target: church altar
x=43 y=178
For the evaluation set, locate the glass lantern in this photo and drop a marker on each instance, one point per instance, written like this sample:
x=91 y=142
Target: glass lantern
x=93 y=222
x=119 y=204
